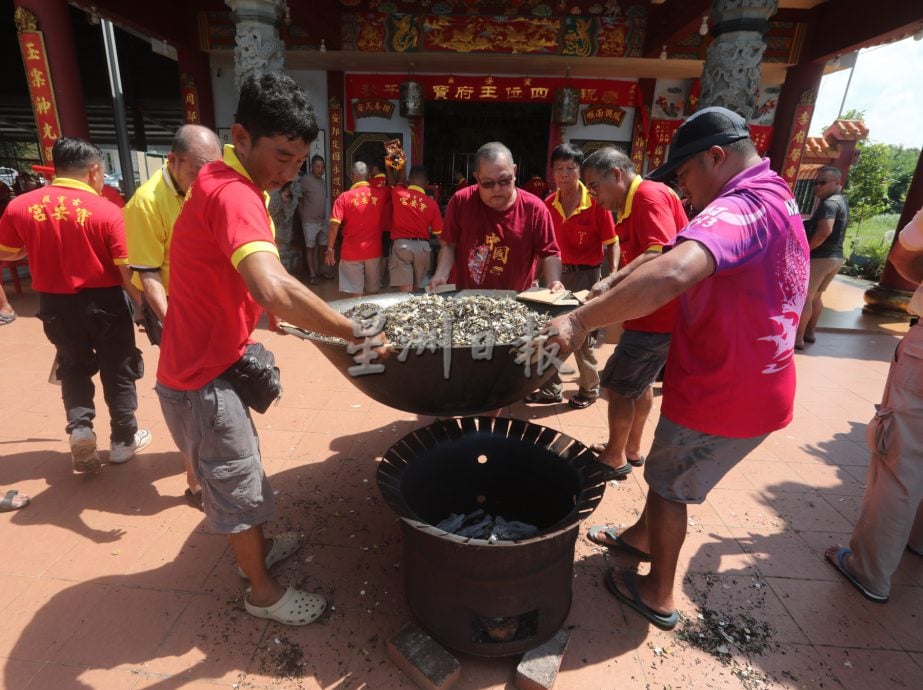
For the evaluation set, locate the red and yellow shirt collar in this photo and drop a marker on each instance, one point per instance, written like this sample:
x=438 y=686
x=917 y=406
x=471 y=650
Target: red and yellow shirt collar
x=585 y=201
x=416 y=188
x=232 y=161
x=363 y=183
x=632 y=188
x=73 y=184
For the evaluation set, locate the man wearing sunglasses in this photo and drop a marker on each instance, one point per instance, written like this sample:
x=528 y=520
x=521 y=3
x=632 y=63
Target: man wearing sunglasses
x=494 y=233
x=826 y=229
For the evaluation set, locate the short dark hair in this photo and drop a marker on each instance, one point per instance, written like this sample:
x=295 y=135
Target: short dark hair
x=567 y=152
x=831 y=171
x=273 y=105
x=316 y=158
x=607 y=159
x=418 y=171
x=491 y=151
x=742 y=147
x=74 y=155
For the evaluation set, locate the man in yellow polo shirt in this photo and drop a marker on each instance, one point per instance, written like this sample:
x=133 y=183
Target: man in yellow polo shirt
x=149 y=219
x=151 y=213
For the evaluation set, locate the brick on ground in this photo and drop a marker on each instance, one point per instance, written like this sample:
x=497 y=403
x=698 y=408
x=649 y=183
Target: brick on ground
x=423 y=659
x=539 y=667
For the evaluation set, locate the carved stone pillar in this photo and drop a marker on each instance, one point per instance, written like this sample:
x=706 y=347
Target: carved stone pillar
x=259 y=49
x=282 y=205
x=731 y=76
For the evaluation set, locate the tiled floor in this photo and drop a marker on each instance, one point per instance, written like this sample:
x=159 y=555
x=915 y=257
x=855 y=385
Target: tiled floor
x=113 y=582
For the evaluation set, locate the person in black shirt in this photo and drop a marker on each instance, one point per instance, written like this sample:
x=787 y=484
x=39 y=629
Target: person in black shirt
x=826 y=229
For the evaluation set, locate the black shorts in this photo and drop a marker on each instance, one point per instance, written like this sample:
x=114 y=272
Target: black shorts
x=635 y=363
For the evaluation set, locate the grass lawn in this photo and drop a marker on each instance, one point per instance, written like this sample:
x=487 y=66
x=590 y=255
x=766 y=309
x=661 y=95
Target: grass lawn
x=871 y=232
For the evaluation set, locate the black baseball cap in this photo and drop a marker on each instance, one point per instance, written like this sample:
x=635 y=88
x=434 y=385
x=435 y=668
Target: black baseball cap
x=708 y=127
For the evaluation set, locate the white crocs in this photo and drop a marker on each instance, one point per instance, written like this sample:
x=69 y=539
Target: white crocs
x=283 y=546
x=294 y=608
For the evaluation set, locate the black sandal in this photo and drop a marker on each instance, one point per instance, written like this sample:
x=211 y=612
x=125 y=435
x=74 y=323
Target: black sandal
x=580 y=402
x=539 y=398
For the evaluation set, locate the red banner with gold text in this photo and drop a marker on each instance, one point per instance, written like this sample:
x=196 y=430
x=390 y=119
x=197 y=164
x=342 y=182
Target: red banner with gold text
x=454 y=87
x=795 y=148
x=335 y=114
x=41 y=91
x=190 y=105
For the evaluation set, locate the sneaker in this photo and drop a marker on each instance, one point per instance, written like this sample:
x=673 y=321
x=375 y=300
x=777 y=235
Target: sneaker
x=123 y=452
x=83 y=450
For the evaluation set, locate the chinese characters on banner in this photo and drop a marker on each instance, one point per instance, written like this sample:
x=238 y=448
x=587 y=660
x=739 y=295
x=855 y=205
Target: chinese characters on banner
x=190 y=105
x=450 y=87
x=41 y=91
x=795 y=148
x=373 y=107
x=335 y=113
x=762 y=137
x=661 y=135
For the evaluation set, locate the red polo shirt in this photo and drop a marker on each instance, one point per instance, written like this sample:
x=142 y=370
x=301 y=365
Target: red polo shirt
x=75 y=238
x=413 y=214
x=225 y=218
x=582 y=235
x=652 y=217
x=359 y=211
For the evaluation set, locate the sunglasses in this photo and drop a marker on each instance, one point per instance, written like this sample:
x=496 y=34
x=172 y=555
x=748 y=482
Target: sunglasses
x=490 y=184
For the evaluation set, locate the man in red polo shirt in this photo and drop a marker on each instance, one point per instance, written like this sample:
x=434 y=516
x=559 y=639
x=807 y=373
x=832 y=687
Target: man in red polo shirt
x=75 y=240
x=359 y=211
x=223 y=246
x=583 y=230
x=495 y=233
x=413 y=215
x=649 y=216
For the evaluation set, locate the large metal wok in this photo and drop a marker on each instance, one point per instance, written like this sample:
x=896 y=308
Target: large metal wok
x=418 y=383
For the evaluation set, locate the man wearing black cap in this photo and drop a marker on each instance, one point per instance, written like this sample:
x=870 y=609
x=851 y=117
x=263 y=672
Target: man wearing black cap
x=740 y=270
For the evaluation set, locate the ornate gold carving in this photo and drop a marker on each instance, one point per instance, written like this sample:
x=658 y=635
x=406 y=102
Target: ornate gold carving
x=25 y=20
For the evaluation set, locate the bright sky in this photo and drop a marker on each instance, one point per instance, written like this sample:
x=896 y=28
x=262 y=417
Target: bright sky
x=884 y=86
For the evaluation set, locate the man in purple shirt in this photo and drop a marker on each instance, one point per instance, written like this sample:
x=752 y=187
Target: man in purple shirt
x=740 y=269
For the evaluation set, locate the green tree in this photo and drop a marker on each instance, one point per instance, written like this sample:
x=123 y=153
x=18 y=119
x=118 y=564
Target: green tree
x=902 y=162
x=867 y=189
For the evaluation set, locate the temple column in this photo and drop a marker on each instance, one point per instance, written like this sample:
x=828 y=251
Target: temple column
x=52 y=18
x=259 y=48
x=731 y=76
x=892 y=293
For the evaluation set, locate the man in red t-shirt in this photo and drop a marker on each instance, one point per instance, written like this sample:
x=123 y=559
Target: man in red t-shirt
x=413 y=216
x=583 y=230
x=359 y=213
x=494 y=233
x=223 y=247
x=649 y=216
x=75 y=240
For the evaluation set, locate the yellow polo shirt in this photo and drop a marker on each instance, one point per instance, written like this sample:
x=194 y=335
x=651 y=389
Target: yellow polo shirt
x=149 y=219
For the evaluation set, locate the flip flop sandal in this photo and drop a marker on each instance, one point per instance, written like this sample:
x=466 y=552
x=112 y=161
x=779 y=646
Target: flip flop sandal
x=7 y=318
x=283 y=546
x=294 y=608
x=6 y=503
x=838 y=563
x=611 y=473
x=664 y=621
x=542 y=399
x=580 y=402
x=608 y=537
x=600 y=448
x=810 y=339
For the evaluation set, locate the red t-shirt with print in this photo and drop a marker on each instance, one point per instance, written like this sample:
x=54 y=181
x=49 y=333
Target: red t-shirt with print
x=413 y=214
x=75 y=239
x=360 y=210
x=498 y=250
